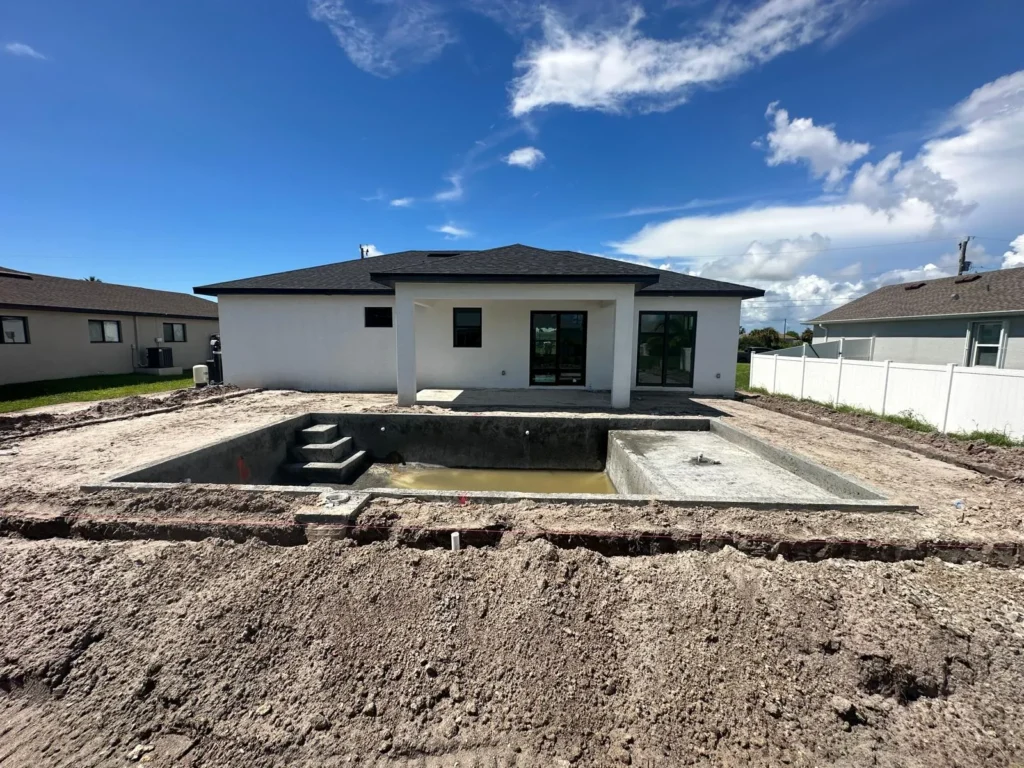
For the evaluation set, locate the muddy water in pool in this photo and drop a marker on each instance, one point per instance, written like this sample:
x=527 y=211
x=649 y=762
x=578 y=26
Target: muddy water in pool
x=525 y=480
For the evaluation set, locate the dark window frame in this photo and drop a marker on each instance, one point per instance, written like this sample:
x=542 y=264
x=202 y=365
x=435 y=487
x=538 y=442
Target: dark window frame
x=367 y=311
x=120 y=337
x=24 y=329
x=664 y=357
x=172 y=340
x=479 y=327
x=558 y=342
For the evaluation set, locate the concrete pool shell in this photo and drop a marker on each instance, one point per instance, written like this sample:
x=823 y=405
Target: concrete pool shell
x=648 y=458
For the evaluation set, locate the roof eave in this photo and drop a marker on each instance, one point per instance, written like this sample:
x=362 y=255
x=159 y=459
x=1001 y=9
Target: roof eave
x=943 y=316
x=213 y=290
x=98 y=311
x=390 y=278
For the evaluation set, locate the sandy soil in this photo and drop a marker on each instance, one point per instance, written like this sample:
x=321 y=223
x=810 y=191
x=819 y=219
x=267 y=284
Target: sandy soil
x=218 y=654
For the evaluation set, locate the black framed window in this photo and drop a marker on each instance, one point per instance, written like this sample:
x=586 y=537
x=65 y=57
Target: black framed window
x=105 y=331
x=13 y=330
x=468 y=328
x=377 y=317
x=174 y=332
x=665 y=349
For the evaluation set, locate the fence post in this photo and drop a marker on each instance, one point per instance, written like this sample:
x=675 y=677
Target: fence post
x=885 y=386
x=775 y=371
x=950 y=369
x=803 y=369
x=839 y=379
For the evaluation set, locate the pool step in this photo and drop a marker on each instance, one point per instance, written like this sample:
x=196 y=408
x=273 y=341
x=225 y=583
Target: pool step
x=342 y=472
x=326 y=452
x=320 y=433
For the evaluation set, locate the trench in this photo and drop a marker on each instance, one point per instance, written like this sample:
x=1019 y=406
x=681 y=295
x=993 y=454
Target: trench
x=606 y=543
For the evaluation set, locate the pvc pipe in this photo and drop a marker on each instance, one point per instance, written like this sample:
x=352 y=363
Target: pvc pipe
x=456 y=542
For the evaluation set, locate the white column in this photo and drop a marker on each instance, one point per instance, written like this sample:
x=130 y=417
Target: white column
x=622 y=350
x=405 y=345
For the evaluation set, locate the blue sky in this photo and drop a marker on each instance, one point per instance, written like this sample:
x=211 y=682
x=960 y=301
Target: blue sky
x=816 y=148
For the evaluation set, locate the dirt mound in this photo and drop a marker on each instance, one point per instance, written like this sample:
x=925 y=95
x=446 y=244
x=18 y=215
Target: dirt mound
x=1007 y=460
x=329 y=654
x=14 y=425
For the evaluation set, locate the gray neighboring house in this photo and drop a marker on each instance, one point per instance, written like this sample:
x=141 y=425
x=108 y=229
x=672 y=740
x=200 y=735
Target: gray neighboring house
x=56 y=327
x=973 y=320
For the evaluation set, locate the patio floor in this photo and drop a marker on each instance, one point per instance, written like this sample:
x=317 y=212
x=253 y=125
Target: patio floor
x=560 y=400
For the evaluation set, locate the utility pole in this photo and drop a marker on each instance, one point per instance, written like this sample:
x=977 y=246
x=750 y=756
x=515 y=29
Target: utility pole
x=964 y=264
x=784 y=321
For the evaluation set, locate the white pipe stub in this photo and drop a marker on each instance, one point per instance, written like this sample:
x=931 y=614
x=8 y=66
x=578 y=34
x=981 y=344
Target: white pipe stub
x=456 y=542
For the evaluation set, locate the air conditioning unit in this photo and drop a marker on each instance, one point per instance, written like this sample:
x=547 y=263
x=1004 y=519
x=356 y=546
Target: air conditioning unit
x=159 y=357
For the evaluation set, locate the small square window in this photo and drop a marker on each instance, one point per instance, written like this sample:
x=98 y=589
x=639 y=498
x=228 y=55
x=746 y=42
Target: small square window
x=14 y=330
x=987 y=342
x=468 y=328
x=174 y=332
x=105 y=331
x=377 y=317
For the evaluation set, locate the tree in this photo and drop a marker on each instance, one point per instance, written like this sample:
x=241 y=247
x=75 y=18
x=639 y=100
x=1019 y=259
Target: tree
x=92 y=279
x=742 y=330
x=793 y=334
x=761 y=337
x=807 y=336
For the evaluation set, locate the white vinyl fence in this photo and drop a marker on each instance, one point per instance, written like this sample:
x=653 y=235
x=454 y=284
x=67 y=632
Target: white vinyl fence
x=951 y=397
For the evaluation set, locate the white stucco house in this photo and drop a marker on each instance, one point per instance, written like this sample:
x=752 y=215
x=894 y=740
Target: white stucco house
x=509 y=317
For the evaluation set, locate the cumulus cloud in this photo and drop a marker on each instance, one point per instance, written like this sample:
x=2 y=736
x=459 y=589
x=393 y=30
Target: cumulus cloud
x=451 y=231
x=372 y=250
x=612 y=69
x=400 y=35
x=21 y=49
x=402 y=202
x=1015 y=256
x=800 y=140
x=525 y=157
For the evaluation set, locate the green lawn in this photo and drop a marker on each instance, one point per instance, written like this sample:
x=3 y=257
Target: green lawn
x=742 y=375
x=32 y=394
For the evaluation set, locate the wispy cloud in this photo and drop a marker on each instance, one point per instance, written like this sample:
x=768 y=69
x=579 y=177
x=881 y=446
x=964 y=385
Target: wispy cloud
x=454 y=191
x=378 y=195
x=612 y=69
x=399 y=35
x=691 y=205
x=402 y=202
x=525 y=157
x=21 y=49
x=451 y=231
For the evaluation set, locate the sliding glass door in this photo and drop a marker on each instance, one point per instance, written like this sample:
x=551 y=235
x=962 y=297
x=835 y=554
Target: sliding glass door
x=665 y=347
x=558 y=348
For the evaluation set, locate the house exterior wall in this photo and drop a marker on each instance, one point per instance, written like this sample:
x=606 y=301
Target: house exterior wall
x=929 y=342
x=59 y=345
x=320 y=342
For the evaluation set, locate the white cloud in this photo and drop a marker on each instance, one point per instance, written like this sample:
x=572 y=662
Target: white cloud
x=402 y=202
x=525 y=157
x=399 y=36
x=780 y=260
x=792 y=141
x=612 y=69
x=21 y=49
x=1015 y=256
x=451 y=231
x=454 y=192
x=378 y=195
x=372 y=250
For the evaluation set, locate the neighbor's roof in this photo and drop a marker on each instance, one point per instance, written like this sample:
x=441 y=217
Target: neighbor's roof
x=971 y=294
x=25 y=290
x=511 y=263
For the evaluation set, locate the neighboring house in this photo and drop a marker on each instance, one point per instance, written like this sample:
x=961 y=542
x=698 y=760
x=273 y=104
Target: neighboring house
x=507 y=317
x=55 y=327
x=975 y=320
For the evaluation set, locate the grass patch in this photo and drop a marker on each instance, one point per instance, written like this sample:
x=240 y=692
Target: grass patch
x=1000 y=439
x=33 y=394
x=743 y=376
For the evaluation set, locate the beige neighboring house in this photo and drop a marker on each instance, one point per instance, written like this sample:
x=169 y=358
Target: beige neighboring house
x=57 y=328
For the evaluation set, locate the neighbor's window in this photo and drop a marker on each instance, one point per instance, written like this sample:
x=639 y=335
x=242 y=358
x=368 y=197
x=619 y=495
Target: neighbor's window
x=377 y=317
x=105 y=331
x=987 y=338
x=174 y=332
x=15 y=330
x=468 y=328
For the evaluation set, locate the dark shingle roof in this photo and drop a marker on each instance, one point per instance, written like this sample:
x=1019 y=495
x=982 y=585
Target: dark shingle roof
x=997 y=291
x=23 y=290
x=512 y=263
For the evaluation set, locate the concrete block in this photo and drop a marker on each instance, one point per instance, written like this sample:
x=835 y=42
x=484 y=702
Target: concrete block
x=327 y=452
x=320 y=433
x=341 y=473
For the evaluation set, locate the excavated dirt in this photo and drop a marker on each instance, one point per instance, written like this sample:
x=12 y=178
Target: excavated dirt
x=19 y=423
x=1008 y=460
x=218 y=654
